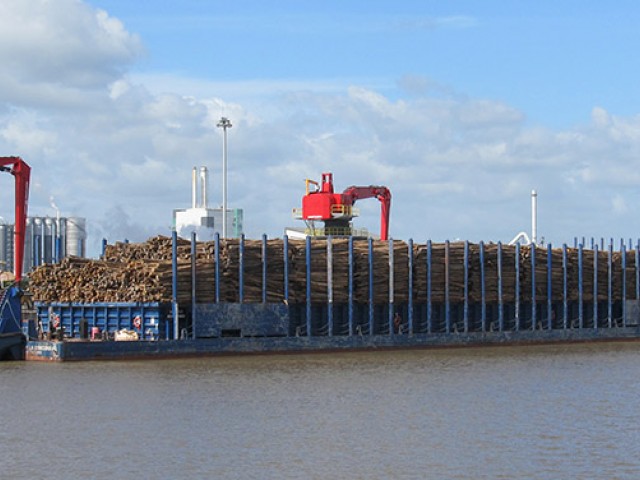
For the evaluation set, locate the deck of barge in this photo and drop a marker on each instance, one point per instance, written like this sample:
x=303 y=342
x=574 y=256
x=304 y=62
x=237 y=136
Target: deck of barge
x=111 y=350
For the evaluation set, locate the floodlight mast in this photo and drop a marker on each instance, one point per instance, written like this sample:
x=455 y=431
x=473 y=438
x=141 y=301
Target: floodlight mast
x=224 y=123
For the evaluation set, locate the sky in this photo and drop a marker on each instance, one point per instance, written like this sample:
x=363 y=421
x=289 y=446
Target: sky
x=459 y=108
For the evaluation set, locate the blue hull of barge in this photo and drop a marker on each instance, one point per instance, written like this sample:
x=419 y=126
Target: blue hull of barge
x=12 y=346
x=111 y=350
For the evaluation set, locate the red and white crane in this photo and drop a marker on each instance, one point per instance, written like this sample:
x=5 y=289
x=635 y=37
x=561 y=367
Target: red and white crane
x=22 y=173
x=336 y=209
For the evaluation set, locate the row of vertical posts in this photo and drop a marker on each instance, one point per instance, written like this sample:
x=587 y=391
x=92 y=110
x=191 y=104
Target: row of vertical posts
x=567 y=322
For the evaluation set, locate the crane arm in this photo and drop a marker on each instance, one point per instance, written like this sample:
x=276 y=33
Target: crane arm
x=22 y=174
x=383 y=194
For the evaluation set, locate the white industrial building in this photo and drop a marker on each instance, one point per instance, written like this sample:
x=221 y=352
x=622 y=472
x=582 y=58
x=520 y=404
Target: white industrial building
x=205 y=221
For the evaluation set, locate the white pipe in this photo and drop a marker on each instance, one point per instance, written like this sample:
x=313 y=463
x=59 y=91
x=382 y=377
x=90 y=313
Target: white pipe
x=203 y=187
x=534 y=217
x=520 y=236
x=194 y=187
x=224 y=184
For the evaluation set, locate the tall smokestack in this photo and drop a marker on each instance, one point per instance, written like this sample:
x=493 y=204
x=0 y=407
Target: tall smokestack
x=203 y=185
x=534 y=217
x=194 y=187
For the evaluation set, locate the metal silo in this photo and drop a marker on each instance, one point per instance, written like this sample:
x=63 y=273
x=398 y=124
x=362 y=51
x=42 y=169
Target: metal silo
x=37 y=241
x=60 y=248
x=76 y=236
x=4 y=248
x=48 y=240
x=27 y=264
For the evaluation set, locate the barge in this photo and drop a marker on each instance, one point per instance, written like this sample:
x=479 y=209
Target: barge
x=384 y=295
x=141 y=350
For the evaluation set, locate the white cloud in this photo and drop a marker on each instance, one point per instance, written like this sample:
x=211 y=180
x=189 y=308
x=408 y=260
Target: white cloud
x=24 y=134
x=600 y=117
x=52 y=51
x=618 y=204
x=119 y=149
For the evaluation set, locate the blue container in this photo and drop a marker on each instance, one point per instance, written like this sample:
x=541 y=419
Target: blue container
x=150 y=320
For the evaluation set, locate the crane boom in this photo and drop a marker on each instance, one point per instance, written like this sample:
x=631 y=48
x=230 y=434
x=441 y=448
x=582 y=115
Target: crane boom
x=22 y=174
x=383 y=194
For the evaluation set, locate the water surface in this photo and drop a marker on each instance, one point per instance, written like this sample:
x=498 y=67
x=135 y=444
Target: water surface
x=525 y=412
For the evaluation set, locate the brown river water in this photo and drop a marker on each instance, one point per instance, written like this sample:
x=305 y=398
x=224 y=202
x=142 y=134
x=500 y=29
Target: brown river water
x=513 y=412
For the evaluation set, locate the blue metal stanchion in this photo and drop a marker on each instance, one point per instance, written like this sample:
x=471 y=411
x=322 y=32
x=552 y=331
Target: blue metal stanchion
x=391 y=286
x=429 y=306
x=264 y=268
x=216 y=254
x=624 y=285
x=447 y=305
x=308 y=267
x=638 y=270
x=534 y=300
x=174 y=282
x=565 y=290
x=371 y=292
x=330 y=286
x=350 y=306
x=241 y=270
x=500 y=297
x=285 y=255
x=580 y=288
x=410 y=299
x=194 y=253
x=465 y=308
x=595 y=287
x=517 y=289
x=483 y=292
x=549 y=287
x=610 y=286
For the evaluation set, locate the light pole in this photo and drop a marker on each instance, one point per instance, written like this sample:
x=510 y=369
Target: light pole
x=224 y=123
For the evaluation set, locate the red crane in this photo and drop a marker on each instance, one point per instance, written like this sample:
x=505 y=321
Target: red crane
x=22 y=173
x=336 y=209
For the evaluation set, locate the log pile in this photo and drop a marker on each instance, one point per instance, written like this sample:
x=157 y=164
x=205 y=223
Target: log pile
x=143 y=273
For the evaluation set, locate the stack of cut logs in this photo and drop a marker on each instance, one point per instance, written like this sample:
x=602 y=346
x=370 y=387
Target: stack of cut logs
x=142 y=272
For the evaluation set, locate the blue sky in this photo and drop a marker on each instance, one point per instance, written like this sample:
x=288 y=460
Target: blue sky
x=460 y=108
x=552 y=60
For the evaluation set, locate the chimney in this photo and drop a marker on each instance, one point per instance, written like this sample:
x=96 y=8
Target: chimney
x=194 y=187
x=534 y=217
x=203 y=186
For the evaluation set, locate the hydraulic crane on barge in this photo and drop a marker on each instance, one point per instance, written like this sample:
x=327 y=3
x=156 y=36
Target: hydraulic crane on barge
x=337 y=210
x=22 y=173
x=11 y=338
